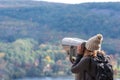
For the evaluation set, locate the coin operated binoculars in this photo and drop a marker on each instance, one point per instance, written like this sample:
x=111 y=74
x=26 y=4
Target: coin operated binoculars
x=70 y=46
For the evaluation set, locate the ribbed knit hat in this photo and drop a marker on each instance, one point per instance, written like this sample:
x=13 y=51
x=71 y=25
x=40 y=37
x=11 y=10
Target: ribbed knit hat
x=94 y=43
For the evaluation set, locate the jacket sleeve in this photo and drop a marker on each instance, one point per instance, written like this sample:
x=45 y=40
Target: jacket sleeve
x=81 y=66
x=78 y=58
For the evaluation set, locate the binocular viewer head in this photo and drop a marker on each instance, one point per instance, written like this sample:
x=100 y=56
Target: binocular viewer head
x=70 y=46
x=70 y=43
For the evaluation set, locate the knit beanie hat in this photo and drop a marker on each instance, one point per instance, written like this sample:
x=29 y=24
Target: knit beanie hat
x=94 y=43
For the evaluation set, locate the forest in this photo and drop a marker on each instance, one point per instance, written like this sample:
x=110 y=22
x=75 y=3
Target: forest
x=31 y=34
x=26 y=58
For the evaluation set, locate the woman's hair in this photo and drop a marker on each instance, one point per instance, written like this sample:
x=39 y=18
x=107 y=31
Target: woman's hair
x=83 y=47
x=91 y=53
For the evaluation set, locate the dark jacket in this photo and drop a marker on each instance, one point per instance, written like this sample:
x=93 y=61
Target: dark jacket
x=85 y=69
x=78 y=58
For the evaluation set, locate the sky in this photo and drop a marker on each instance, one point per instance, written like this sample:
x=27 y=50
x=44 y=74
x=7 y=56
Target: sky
x=78 y=1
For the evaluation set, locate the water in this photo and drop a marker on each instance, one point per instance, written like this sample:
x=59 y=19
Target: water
x=50 y=78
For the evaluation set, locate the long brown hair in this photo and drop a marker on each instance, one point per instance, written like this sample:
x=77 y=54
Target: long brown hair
x=83 y=47
x=92 y=53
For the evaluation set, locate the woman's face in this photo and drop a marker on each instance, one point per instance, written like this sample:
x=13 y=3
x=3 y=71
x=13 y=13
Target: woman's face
x=79 y=49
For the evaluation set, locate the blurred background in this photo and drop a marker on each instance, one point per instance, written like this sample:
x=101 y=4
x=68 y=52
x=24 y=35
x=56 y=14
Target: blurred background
x=31 y=34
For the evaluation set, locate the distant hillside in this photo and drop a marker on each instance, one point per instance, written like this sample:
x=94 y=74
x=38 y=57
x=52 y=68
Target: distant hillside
x=22 y=3
x=50 y=22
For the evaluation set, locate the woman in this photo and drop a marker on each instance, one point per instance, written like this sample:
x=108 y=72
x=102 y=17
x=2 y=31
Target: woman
x=85 y=67
x=80 y=51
